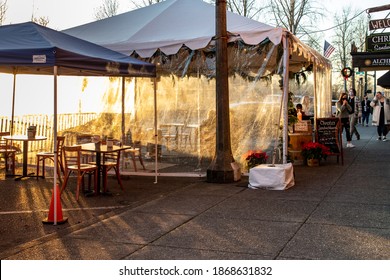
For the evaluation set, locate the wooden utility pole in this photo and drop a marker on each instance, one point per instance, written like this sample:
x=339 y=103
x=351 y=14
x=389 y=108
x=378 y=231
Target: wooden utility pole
x=220 y=169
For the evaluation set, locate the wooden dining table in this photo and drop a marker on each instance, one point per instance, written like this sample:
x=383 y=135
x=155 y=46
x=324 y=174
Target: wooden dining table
x=99 y=150
x=25 y=139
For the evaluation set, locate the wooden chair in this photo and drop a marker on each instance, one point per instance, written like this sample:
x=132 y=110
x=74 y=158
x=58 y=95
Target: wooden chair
x=43 y=156
x=132 y=153
x=72 y=160
x=111 y=161
x=169 y=134
x=185 y=136
x=8 y=152
x=83 y=138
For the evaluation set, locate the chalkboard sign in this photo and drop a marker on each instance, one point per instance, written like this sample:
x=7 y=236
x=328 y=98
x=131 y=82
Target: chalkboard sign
x=328 y=133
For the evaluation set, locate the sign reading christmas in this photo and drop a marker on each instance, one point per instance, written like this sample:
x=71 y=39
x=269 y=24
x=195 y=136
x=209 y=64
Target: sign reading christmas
x=378 y=42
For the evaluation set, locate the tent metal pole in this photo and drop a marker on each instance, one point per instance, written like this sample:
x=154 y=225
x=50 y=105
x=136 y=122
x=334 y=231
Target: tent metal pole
x=123 y=109
x=55 y=143
x=286 y=56
x=155 y=130
x=316 y=109
x=13 y=105
x=198 y=143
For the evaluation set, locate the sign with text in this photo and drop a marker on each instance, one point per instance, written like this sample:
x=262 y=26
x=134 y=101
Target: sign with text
x=379 y=24
x=378 y=42
x=328 y=133
x=302 y=126
x=378 y=61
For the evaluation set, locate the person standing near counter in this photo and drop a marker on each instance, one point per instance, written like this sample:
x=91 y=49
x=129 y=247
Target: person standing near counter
x=355 y=104
x=343 y=110
x=381 y=114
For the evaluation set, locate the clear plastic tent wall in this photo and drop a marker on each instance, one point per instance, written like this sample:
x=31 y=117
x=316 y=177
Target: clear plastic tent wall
x=186 y=106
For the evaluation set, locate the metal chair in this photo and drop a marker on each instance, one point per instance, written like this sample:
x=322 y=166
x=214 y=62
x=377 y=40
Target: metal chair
x=43 y=156
x=72 y=160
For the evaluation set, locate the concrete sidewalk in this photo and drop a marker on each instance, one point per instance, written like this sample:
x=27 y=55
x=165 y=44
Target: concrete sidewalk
x=333 y=212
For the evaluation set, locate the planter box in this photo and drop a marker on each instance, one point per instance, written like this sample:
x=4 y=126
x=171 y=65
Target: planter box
x=277 y=177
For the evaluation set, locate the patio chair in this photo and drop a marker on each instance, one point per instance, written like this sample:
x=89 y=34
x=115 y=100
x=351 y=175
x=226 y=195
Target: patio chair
x=169 y=134
x=132 y=153
x=43 y=156
x=111 y=161
x=83 y=138
x=185 y=136
x=72 y=160
x=8 y=153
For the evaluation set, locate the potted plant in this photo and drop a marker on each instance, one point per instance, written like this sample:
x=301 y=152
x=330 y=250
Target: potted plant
x=254 y=158
x=313 y=152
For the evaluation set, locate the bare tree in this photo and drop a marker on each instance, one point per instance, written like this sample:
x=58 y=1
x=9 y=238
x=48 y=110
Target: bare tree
x=109 y=8
x=350 y=32
x=343 y=38
x=360 y=23
x=298 y=16
x=44 y=21
x=3 y=10
x=143 y=3
x=246 y=8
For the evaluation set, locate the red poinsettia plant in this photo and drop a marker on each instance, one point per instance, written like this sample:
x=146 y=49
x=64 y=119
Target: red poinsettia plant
x=315 y=150
x=254 y=158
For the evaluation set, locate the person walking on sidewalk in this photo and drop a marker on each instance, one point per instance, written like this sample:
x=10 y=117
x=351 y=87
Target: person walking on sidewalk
x=381 y=114
x=355 y=104
x=366 y=110
x=343 y=110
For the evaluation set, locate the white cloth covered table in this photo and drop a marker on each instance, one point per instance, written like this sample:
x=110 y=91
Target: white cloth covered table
x=277 y=177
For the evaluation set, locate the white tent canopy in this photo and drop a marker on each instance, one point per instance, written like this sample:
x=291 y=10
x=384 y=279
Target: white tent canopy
x=174 y=31
x=168 y=26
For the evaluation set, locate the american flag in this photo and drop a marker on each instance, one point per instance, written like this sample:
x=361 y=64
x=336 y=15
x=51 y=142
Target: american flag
x=328 y=49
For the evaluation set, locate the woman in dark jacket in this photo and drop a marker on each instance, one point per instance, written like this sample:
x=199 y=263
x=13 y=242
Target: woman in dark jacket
x=343 y=112
x=366 y=110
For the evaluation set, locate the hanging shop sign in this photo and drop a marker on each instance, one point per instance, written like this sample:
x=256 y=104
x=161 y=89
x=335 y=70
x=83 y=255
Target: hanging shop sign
x=379 y=42
x=374 y=61
x=379 y=24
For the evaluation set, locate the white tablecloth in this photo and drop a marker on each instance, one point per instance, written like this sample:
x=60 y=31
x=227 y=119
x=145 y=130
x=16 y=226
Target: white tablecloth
x=277 y=177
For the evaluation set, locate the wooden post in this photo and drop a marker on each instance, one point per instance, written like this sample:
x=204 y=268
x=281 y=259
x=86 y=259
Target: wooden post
x=220 y=169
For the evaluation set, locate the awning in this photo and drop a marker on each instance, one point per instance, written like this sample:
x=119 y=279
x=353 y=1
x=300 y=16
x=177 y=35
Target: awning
x=384 y=80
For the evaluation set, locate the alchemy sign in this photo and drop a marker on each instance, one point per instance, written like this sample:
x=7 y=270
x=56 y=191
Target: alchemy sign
x=371 y=61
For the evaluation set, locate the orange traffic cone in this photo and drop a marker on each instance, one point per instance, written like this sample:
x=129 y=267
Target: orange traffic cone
x=60 y=219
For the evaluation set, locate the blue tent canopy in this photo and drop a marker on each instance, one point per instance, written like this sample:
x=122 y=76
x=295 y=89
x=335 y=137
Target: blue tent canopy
x=28 y=48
